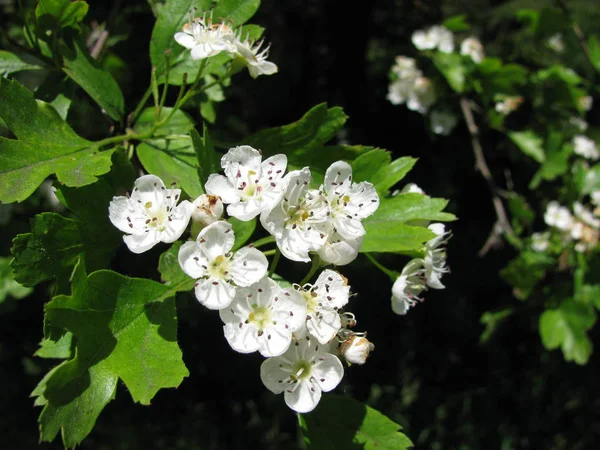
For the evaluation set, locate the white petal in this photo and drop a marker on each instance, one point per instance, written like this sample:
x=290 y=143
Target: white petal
x=293 y=245
x=241 y=157
x=214 y=294
x=263 y=68
x=247 y=210
x=187 y=40
x=363 y=200
x=348 y=228
x=341 y=252
x=192 y=260
x=201 y=51
x=328 y=371
x=180 y=217
x=274 y=341
x=290 y=309
x=118 y=211
x=333 y=288
x=221 y=186
x=325 y=326
x=248 y=266
x=338 y=178
x=242 y=340
x=216 y=239
x=271 y=373
x=304 y=398
x=141 y=243
x=274 y=166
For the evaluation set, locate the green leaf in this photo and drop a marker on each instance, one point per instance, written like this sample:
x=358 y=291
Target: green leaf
x=376 y=166
x=57 y=91
x=51 y=14
x=411 y=206
x=556 y=163
x=49 y=252
x=492 y=321
x=342 y=422
x=60 y=349
x=451 y=66
x=126 y=328
x=594 y=49
x=46 y=144
x=521 y=213
x=566 y=328
x=9 y=287
x=525 y=271
x=170 y=270
x=11 y=63
x=236 y=11
x=591 y=180
x=529 y=143
x=392 y=236
x=174 y=159
x=96 y=81
x=456 y=23
x=208 y=158
x=243 y=230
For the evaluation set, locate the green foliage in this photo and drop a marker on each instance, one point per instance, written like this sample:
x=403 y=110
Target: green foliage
x=208 y=158
x=452 y=67
x=521 y=211
x=456 y=23
x=126 y=328
x=9 y=287
x=566 y=327
x=556 y=160
x=526 y=271
x=341 y=422
x=529 y=143
x=594 y=49
x=54 y=14
x=11 y=63
x=243 y=230
x=492 y=321
x=46 y=145
x=170 y=271
x=376 y=166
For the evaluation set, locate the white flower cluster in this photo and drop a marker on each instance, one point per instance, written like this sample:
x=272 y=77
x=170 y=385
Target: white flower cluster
x=302 y=330
x=584 y=146
x=410 y=86
x=508 y=104
x=581 y=227
x=421 y=273
x=205 y=38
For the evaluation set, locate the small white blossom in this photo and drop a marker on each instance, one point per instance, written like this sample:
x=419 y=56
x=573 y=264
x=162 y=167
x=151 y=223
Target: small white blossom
x=422 y=96
x=302 y=373
x=263 y=317
x=556 y=43
x=540 y=241
x=595 y=195
x=435 y=37
x=207 y=209
x=585 y=215
x=443 y=122
x=356 y=348
x=255 y=58
x=300 y=220
x=434 y=261
x=349 y=202
x=578 y=123
x=408 y=286
x=584 y=146
x=219 y=272
x=150 y=214
x=405 y=68
x=323 y=300
x=558 y=216
x=249 y=186
x=205 y=38
x=508 y=105
x=472 y=47
x=586 y=102
x=339 y=251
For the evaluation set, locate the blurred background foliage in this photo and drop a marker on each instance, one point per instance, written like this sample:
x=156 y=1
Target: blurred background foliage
x=434 y=371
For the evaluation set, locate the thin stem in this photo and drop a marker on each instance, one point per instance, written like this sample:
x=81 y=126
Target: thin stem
x=481 y=164
x=134 y=116
x=269 y=252
x=263 y=241
x=274 y=263
x=316 y=263
x=390 y=273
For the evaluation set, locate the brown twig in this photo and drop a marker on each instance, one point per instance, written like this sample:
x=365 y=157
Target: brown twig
x=502 y=225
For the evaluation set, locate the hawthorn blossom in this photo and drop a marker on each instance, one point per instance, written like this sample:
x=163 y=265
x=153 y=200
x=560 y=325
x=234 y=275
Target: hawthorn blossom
x=442 y=122
x=339 y=251
x=300 y=220
x=323 y=300
x=586 y=102
x=220 y=272
x=150 y=214
x=422 y=96
x=540 y=241
x=255 y=58
x=579 y=123
x=472 y=47
x=556 y=43
x=408 y=286
x=356 y=348
x=434 y=261
x=349 y=202
x=508 y=105
x=249 y=185
x=263 y=317
x=205 y=38
x=558 y=216
x=435 y=37
x=585 y=215
x=302 y=374
x=207 y=209
x=405 y=68
x=584 y=146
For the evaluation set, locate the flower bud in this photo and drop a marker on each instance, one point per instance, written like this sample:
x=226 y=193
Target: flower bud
x=207 y=209
x=355 y=349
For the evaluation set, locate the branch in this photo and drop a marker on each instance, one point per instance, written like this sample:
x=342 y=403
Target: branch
x=503 y=224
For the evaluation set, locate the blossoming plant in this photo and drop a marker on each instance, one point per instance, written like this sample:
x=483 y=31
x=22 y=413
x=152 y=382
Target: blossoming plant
x=221 y=222
x=543 y=115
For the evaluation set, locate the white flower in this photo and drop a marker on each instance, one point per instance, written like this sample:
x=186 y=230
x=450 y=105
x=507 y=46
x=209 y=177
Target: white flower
x=323 y=300
x=219 y=272
x=408 y=286
x=434 y=37
x=595 y=197
x=339 y=251
x=585 y=147
x=349 y=202
x=302 y=373
x=540 y=241
x=249 y=186
x=255 y=58
x=422 y=96
x=578 y=123
x=472 y=47
x=586 y=102
x=585 y=215
x=300 y=220
x=207 y=209
x=263 y=317
x=205 y=38
x=508 y=105
x=434 y=261
x=356 y=348
x=558 y=216
x=442 y=122
x=150 y=216
x=411 y=188
x=405 y=68
x=399 y=91
x=555 y=42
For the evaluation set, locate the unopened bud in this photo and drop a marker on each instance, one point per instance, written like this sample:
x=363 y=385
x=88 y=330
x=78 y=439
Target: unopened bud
x=207 y=209
x=355 y=349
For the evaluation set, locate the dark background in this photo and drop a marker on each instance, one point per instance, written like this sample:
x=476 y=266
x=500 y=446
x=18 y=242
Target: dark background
x=429 y=371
